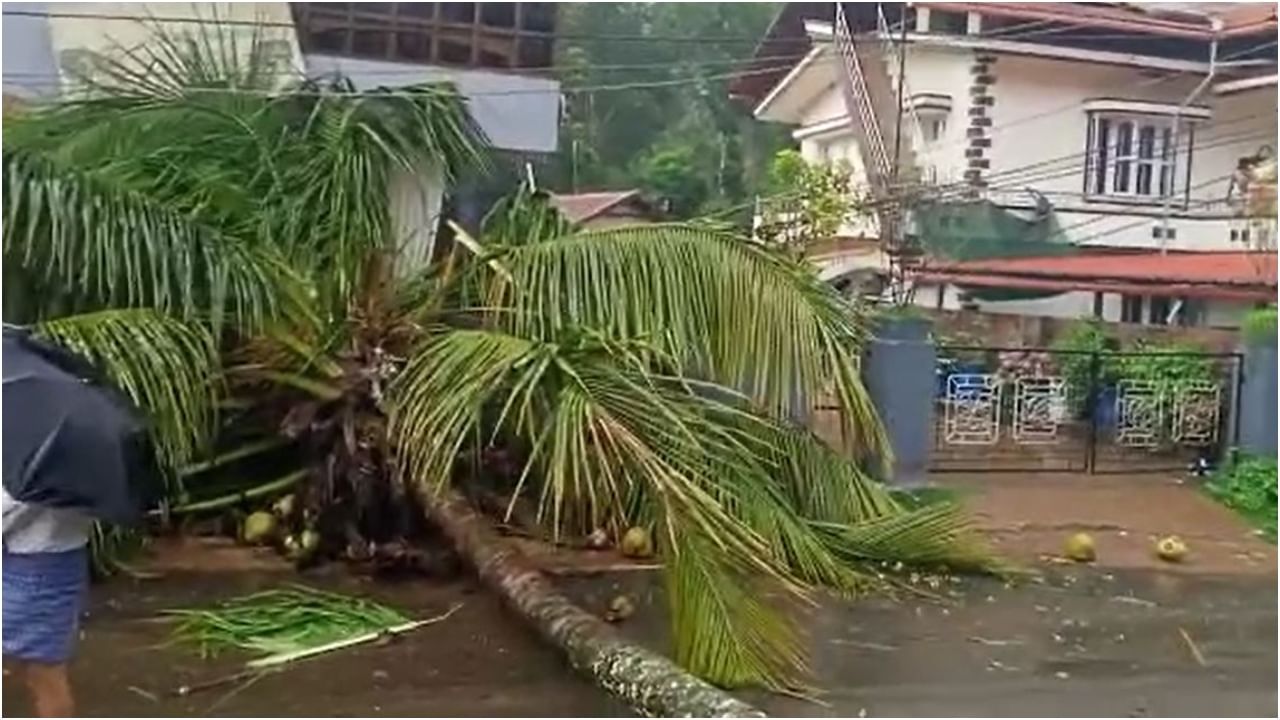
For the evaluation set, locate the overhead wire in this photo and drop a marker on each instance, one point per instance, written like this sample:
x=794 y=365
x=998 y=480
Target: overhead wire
x=1007 y=33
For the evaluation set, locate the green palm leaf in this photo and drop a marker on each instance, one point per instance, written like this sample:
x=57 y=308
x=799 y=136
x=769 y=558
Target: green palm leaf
x=726 y=309
x=169 y=369
x=726 y=626
x=934 y=535
x=601 y=434
x=91 y=244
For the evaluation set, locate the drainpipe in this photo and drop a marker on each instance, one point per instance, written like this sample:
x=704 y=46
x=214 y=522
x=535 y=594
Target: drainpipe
x=1216 y=24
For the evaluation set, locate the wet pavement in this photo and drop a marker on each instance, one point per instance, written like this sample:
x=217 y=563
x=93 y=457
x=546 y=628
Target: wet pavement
x=478 y=663
x=1028 y=515
x=1081 y=641
x=1078 y=641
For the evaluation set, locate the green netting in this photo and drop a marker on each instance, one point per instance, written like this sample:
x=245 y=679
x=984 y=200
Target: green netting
x=980 y=230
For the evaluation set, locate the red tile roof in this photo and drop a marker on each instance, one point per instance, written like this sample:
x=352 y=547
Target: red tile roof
x=1245 y=275
x=584 y=206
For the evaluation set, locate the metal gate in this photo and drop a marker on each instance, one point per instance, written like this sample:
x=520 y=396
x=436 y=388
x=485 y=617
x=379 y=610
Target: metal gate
x=1045 y=409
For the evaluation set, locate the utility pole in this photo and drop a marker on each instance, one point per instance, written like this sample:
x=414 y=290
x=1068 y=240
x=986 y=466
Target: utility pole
x=1167 y=207
x=897 y=273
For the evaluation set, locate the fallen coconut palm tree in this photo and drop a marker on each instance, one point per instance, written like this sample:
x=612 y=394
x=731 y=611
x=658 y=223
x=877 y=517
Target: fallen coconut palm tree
x=653 y=377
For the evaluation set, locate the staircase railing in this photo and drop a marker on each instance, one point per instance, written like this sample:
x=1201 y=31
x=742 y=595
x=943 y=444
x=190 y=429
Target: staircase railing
x=858 y=100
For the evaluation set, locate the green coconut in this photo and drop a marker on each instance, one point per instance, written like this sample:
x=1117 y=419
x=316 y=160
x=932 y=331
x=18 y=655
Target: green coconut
x=1171 y=549
x=637 y=543
x=259 y=527
x=1080 y=547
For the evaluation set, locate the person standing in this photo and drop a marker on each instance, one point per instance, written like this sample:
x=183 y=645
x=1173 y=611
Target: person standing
x=45 y=581
x=76 y=450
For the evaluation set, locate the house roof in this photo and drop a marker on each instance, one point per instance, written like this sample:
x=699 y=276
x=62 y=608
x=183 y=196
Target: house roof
x=786 y=41
x=1186 y=20
x=582 y=207
x=784 y=44
x=1228 y=275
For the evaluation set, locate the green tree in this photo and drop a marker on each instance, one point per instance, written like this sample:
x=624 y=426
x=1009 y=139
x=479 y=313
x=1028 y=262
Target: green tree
x=647 y=136
x=209 y=230
x=807 y=203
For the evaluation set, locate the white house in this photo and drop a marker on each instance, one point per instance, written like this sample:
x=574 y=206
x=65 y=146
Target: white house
x=1037 y=129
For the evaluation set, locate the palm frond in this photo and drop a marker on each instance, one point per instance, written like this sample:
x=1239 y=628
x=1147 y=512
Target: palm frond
x=725 y=625
x=93 y=245
x=600 y=434
x=176 y=62
x=522 y=217
x=437 y=401
x=726 y=309
x=167 y=367
x=934 y=535
x=196 y=128
x=337 y=174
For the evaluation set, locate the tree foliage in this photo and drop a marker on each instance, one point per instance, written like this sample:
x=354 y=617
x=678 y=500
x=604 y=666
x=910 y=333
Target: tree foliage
x=686 y=140
x=808 y=203
x=654 y=376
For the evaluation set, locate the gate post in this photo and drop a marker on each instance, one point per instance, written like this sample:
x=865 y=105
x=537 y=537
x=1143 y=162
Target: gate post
x=1257 y=401
x=898 y=371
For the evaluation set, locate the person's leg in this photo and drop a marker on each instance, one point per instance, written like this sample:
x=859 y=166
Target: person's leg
x=50 y=688
x=43 y=593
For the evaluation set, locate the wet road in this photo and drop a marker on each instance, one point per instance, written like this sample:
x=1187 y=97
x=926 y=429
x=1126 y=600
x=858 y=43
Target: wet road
x=1083 y=642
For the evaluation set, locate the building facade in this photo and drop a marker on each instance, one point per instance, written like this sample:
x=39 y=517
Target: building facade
x=1039 y=129
x=496 y=54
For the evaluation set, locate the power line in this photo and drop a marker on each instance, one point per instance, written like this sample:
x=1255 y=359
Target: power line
x=1148 y=83
x=372 y=18
x=282 y=24
x=903 y=197
x=642 y=85
x=1127 y=226
x=1021 y=181
x=474 y=93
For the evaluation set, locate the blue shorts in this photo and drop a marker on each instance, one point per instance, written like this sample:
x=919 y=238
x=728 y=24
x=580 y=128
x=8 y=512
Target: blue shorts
x=43 y=596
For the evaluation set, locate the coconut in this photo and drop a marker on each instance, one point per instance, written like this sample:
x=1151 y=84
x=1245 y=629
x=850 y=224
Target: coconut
x=637 y=543
x=1171 y=549
x=309 y=541
x=1080 y=548
x=259 y=528
x=284 y=506
x=621 y=607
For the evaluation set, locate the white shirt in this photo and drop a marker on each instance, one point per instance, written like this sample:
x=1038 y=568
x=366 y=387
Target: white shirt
x=31 y=528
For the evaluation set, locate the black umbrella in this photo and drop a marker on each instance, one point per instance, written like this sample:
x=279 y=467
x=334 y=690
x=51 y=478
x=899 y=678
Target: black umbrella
x=70 y=441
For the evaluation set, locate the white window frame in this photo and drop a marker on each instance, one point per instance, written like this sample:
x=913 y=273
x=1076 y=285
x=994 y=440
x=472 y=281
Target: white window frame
x=1137 y=162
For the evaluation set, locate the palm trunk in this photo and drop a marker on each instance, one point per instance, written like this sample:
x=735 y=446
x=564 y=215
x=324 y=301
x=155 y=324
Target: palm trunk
x=646 y=681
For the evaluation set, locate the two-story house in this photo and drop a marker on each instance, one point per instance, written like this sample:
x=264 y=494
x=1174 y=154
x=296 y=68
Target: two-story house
x=1118 y=134
x=497 y=54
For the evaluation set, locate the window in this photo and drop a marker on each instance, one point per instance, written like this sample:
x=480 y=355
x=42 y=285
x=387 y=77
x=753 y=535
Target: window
x=948 y=21
x=497 y=35
x=934 y=128
x=1160 y=308
x=1130 y=156
x=1192 y=312
x=1131 y=309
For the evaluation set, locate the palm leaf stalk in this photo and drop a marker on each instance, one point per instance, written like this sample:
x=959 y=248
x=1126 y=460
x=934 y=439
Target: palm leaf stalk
x=656 y=376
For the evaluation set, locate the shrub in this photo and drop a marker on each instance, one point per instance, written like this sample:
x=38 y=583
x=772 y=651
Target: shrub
x=1084 y=338
x=1259 y=325
x=1247 y=484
